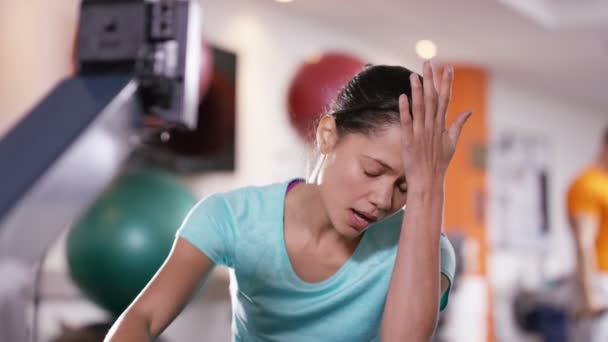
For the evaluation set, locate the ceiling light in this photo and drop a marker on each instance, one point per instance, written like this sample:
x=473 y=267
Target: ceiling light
x=426 y=49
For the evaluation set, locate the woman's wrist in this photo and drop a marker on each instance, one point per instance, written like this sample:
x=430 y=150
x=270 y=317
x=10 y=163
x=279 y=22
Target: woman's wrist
x=426 y=187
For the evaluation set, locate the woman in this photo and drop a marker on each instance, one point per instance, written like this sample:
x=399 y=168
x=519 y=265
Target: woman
x=335 y=258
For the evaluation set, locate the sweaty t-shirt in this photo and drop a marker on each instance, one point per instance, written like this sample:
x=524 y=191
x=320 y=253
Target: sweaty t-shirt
x=588 y=195
x=243 y=230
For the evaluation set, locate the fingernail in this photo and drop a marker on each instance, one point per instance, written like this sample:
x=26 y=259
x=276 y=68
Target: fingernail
x=414 y=79
x=449 y=69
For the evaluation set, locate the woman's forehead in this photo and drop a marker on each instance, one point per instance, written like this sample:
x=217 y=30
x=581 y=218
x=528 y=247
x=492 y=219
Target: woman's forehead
x=389 y=137
x=384 y=144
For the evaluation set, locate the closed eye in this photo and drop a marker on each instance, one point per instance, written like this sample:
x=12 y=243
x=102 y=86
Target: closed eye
x=371 y=174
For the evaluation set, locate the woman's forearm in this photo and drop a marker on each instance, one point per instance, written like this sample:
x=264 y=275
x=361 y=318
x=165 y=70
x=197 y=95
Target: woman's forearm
x=412 y=302
x=130 y=327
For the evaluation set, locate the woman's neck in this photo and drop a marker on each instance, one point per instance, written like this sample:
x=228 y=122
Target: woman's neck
x=304 y=209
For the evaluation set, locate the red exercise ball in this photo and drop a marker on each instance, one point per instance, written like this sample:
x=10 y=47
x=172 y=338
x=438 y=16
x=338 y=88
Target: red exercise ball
x=316 y=85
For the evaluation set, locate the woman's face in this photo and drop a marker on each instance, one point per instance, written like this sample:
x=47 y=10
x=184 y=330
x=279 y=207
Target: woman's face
x=362 y=179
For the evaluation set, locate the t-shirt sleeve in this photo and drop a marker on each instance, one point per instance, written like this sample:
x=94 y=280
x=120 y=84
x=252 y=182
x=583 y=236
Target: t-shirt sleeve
x=210 y=227
x=581 y=198
x=448 y=267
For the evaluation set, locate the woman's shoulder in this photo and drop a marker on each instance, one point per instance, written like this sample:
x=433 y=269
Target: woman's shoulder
x=242 y=194
x=250 y=199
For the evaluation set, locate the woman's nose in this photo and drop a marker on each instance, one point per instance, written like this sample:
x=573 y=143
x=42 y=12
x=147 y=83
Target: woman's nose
x=382 y=198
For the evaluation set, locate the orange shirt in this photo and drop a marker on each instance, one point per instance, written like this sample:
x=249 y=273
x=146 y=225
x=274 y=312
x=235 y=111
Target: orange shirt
x=588 y=195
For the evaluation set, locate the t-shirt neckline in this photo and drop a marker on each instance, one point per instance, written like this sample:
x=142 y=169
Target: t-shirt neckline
x=291 y=274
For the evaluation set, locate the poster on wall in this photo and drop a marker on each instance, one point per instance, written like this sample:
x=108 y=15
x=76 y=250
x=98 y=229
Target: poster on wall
x=518 y=196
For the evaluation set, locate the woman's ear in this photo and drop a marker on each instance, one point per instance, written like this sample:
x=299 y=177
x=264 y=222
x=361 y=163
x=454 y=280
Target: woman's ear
x=327 y=134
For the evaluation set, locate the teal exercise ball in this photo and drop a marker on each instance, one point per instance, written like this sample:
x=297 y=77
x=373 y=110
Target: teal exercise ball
x=121 y=241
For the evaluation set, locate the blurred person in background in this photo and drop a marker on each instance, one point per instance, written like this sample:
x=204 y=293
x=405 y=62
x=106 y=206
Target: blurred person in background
x=588 y=216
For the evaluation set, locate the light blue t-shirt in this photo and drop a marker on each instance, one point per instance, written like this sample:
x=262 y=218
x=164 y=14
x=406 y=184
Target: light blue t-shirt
x=243 y=230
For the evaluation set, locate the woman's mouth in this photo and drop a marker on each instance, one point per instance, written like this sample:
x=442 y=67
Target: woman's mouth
x=359 y=220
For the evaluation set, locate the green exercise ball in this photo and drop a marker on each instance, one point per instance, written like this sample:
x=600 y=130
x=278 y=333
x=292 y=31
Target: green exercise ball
x=121 y=241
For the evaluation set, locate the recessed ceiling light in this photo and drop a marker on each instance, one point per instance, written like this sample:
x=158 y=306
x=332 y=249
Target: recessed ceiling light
x=426 y=49
x=283 y=1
